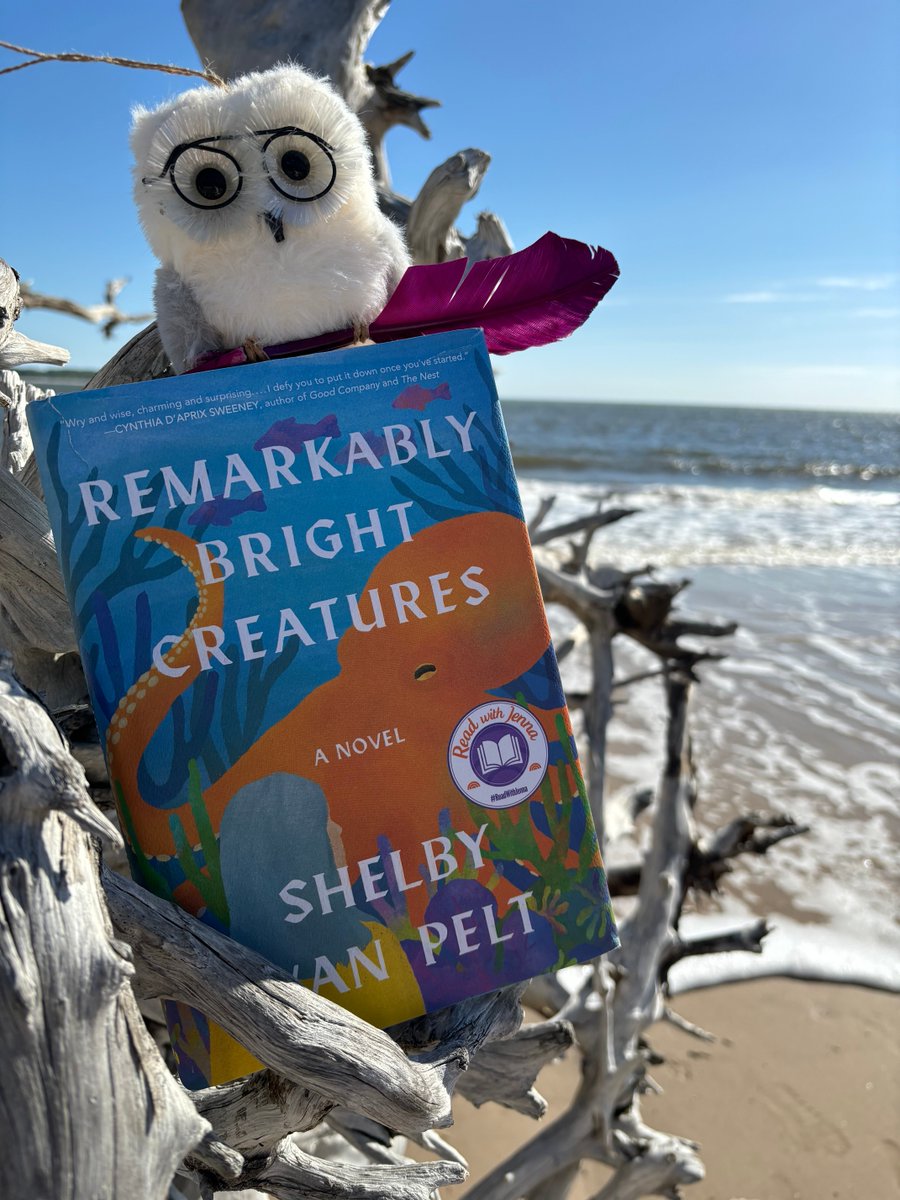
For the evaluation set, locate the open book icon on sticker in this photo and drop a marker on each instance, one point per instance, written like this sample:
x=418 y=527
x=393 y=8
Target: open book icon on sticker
x=505 y=752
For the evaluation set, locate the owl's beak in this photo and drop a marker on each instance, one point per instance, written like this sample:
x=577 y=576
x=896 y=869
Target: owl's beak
x=276 y=225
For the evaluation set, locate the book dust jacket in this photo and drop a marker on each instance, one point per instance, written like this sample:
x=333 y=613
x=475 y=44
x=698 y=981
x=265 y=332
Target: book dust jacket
x=319 y=661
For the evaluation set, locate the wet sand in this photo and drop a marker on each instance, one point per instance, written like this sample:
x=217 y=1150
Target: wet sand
x=799 y=1099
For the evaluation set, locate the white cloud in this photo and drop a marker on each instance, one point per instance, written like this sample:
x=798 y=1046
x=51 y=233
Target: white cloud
x=780 y=293
x=878 y=314
x=772 y=296
x=753 y=298
x=860 y=283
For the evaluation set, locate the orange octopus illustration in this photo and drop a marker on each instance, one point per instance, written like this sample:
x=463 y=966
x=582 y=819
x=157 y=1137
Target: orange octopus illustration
x=418 y=677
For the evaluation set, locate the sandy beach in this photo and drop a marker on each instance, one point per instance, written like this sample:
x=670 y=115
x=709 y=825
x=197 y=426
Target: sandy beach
x=798 y=1099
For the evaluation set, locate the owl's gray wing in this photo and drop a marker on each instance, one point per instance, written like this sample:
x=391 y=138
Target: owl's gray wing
x=185 y=332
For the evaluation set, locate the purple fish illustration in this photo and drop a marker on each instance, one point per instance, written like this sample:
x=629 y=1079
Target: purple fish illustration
x=375 y=442
x=418 y=397
x=221 y=511
x=291 y=433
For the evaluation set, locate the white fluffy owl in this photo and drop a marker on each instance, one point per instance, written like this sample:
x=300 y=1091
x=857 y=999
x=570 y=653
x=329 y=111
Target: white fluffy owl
x=259 y=202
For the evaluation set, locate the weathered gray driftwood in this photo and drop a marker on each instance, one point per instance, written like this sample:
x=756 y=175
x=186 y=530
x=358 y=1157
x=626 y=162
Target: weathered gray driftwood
x=326 y=36
x=387 y=105
x=106 y=314
x=15 y=437
x=288 y=1173
x=505 y=1070
x=594 y=608
x=430 y=232
x=140 y=358
x=68 y=1022
x=33 y=610
x=33 y=607
x=15 y=348
x=253 y=1114
x=303 y=1037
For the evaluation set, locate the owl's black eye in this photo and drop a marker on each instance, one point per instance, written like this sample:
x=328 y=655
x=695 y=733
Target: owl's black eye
x=211 y=184
x=205 y=176
x=300 y=165
x=295 y=165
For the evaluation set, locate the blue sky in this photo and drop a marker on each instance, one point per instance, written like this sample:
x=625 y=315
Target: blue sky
x=741 y=160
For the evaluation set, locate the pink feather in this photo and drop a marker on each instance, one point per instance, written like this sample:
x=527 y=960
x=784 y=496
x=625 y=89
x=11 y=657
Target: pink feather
x=531 y=298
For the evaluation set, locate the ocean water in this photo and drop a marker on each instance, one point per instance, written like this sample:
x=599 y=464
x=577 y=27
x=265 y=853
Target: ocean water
x=789 y=524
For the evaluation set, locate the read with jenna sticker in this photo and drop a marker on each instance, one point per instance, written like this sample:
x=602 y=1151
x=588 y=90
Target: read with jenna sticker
x=318 y=656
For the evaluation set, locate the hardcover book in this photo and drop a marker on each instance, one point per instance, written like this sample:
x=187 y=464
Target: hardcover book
x=317 y=652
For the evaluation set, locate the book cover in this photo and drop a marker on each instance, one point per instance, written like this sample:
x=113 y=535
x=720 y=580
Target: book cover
x=318 y=656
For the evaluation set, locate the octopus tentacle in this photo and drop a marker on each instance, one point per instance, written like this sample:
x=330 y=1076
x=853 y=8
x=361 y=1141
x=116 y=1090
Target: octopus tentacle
x=144 y=706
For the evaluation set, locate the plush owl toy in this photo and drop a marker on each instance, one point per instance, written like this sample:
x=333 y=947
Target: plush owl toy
x=258 y=199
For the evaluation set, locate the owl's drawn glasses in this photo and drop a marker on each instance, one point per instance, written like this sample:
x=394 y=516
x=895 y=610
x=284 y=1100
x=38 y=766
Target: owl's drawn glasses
x=300 y=166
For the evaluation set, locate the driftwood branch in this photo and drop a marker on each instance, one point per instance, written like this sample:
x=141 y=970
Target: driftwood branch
x=301 y=1036
x=388 y=105
x=589 y=524
x=255 y=1113
x=490 y=240
x=504 y=1071
x=15 y=436
x=466 y=1025
x=34 y=611
x=430 y=231
x=710 y=858
x=15 y=348
x=141 y=358
x=68 y=1021
x=612 y=1014
x=106 y=314
x=749 y=938
x=289 y=1173
x=34 y=615
x=328 y=37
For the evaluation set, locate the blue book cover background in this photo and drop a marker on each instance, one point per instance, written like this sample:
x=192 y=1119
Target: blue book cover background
x=317 y=654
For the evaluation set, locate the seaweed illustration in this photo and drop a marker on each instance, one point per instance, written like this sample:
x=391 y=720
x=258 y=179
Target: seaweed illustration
x=540 y=685
x=132 y=567
x=208 y=878
x=246 y=698
x=187 y=739
x=566 y=889
x=71 y=526
x=391 y=910
x=142 y=868
x=458 y=490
